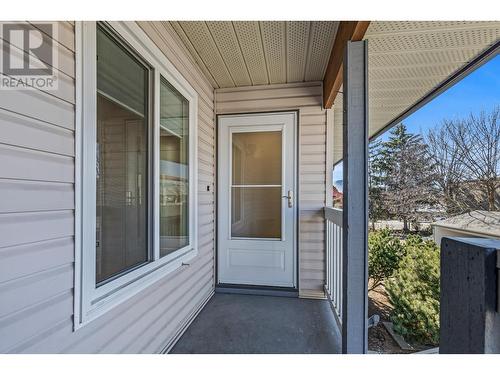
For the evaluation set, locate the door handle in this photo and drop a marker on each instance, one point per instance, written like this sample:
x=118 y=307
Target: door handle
x=290 y=198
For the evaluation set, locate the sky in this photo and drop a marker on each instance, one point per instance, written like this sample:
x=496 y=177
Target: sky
x=478 y=91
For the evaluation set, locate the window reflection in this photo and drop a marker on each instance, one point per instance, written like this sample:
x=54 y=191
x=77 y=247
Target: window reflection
x=174 y=169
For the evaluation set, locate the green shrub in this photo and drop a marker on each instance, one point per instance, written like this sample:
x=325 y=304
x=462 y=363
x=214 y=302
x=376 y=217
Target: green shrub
x=384 y=254
x=414 y=292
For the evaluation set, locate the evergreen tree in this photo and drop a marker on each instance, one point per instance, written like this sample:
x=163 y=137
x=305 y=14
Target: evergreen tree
x=376 y=207
x=406 y=173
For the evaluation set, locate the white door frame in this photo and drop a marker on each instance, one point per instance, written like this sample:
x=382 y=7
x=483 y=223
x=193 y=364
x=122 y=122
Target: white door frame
x=221 y=231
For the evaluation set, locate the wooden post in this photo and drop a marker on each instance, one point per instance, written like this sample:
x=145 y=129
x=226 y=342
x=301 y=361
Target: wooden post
x=355 y=210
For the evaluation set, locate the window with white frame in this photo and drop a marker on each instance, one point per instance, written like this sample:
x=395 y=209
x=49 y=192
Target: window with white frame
x=136 y=155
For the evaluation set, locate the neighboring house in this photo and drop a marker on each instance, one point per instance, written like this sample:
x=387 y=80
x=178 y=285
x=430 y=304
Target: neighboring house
x=483 y=224
x=174 y=160
x=338 y=197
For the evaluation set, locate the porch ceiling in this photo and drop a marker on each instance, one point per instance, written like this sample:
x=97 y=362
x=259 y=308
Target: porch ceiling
x=407 y=60
x=233 y=54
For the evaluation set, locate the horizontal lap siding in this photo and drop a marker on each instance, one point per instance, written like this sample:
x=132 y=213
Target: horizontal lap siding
x=305 y=97
x=37 y=207
x=37 y=224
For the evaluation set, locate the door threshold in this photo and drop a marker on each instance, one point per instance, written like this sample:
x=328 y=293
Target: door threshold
x=256 y=290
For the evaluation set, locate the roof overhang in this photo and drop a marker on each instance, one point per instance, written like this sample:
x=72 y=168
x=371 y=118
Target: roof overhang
x=409 y=62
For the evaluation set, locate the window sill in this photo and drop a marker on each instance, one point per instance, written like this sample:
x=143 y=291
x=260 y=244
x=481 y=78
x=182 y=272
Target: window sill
x=118 y=291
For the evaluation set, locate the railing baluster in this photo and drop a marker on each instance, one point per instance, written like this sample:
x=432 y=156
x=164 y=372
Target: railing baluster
x=333 y=242
x=331 y=259
x=334 y=258
x=341 y=257
x=337 y=270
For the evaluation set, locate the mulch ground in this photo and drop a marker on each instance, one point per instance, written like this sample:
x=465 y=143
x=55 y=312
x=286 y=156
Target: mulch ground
x=379 y=340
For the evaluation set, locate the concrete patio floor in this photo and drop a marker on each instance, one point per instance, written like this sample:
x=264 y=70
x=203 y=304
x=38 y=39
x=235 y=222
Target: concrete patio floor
x=233 y=323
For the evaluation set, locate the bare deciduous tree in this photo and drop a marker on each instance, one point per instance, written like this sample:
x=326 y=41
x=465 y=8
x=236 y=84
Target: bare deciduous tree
x=448 y=168
x=467 y=157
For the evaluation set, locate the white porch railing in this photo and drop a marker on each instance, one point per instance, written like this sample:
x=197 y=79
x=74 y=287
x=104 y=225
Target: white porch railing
x=333 y=286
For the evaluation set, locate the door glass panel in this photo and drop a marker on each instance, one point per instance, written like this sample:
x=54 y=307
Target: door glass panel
x=257 y=158
x=122 y=156
x=174 y=169
x=256 y=212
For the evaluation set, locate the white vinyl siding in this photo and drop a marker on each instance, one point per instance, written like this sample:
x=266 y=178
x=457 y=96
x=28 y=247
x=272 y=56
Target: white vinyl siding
x=37 y=226
x=307 y=99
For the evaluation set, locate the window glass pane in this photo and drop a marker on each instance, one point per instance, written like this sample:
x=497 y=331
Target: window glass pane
x=256 y=212
x=174 y=169
x=122 y=155
x=120 y=77
x=257 y=158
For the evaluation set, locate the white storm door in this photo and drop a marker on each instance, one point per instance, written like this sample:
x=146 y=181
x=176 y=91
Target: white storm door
x=257 y=199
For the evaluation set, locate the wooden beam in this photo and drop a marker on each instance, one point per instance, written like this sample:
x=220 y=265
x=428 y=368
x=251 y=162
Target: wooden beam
x=347 y=31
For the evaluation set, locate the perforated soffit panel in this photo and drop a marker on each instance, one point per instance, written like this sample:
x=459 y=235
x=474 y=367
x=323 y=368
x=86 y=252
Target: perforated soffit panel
x=407 y=60
x=246 y=53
